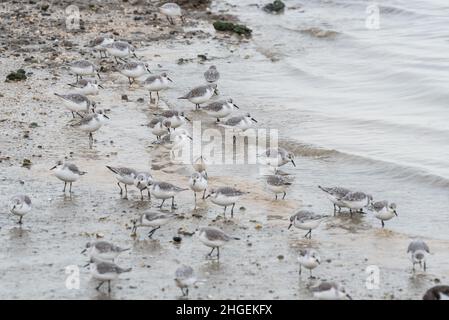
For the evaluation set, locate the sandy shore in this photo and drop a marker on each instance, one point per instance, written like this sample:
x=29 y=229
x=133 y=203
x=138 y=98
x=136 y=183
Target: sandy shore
x=262 y=265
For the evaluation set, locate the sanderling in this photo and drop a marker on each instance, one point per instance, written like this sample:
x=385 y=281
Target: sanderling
x=176 y=118
x=171 y=10
x=76 y=103
x=198 y=183
x=120 y=50
x=308 y=259
x=176 y=140
x=164 y=190
x=276 y=157
x=199 y=165
x=418 y=250
x=67 y=172
x=184 y=278
x=212 y=74
x=91 y=123
x=238 y=124
x=84 y=68
x=20 y=205
x=356 y=201
x=159 y=127
x=152 y=219
x=278 y=184
x=214 y=238
x=141 y=183
x=335 y=193
x=330 y=291
x=87 y=87
x=306 y=220
x=437 y=293
x=105 y=271
x=134 y=70
x=100 y=43
x=103 y=250
x=157 y=83
x=220 y=109
x=200 y=94
x=383 y=211
x=124 y=175
x=225 y=196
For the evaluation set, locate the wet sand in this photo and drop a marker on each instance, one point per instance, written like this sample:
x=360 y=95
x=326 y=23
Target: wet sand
x=262 y=265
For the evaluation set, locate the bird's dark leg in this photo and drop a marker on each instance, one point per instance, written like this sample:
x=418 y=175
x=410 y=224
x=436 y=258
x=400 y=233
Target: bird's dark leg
x=20 y=220
x=149 y=194
x=126 y=192
x=311 y=276
x=77 y=78
x=116 y=61
x=163 y=200
x=130 y=82
x=173 y=202
x=234 y=138
x=224 y=212
x=232 y=210
x=339 y=209
x=195 y=198
x=218 y=119
x=218 y=253
x=109 y=286
x=168 y=18
x=73 y=115
x=141 y=194
x=424 y=264
x=300 y=269
x=99 y=286
x=335 y=209
x=182 y=19
x=275 y=196
x=285 y=193
x=187 y=292
x=70 y=189
x=121 y=190
x=150 y=234
x=310 y=232
x=65 y=184
x=383 y=224
x=210 y=253
x=91 y=140
x=204 y=194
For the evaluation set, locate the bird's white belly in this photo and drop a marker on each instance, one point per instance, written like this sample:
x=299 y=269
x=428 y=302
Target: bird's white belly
x=128 y=179
x=83 y=71
x=21 y=211
x=308 y=263
x=276 y=189
x=118 y=53
x=384 y=215
x=212 y=244
x=170 y=12
x=104 y=276
x=154 y=223
x=162 y=194
x=327 y=295
x=224 y=201
x=92 y=126
x=104 y=256
x=135 y=73
x=201 y=99
x=75 y=107
x=199 y=186
x=66 y=175
x=224 y=112
x=308 y=225
x=356 y=205
x=156 y=85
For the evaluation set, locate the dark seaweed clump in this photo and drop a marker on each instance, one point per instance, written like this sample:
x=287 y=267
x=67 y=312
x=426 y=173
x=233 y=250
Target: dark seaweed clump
x=275 y=7
x=240 y=29
x=18 y=75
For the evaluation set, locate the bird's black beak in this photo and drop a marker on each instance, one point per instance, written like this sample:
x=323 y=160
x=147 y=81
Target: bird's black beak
x=187 y=119
x=106 y=116
x=254 y=120
x=190 y=138
x=289 y=226
x=134 y=55
x=194 y=181
x=86 y=265
x=208 y=196
x=293 y=163
x=348 y=296
x=83 y=251
x=53 y=168
x=236 y=106
x=100 y=86
x=148 y=70
x=395 y=213
x=98 y=74
x=216 y=92
x=169 y=79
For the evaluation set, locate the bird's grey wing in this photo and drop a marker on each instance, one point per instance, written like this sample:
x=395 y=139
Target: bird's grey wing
x=380 y=205
x=228 y=191
x=216 y=234
x=103 y=246
x=214 y=106
x=73 y=168
x=184 y=272
x=27 y=200
x=233 y=121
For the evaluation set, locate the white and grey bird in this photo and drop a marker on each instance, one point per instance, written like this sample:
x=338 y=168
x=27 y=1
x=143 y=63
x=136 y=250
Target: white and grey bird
x=220 y=109
x=20 y=205
x=306 y=220
x=134 y=70
x=171 y=10
x=105 y=271
x=238 y=124
x=100 y=43
x=152 y=219
x=214 y=238
x=164 y=190
x=330 y=291
x=91 y=123
x=103 y=250
x=437 y=293
x=278 y=184
x=176 y=140
x=200 y=94
x=184 y=279
x=356 y=201
x=225 y=196
x=199 y=165
x=198 y=183
x=77 y=103
x=383 y=211
x=335 y=193
x=176 y=118
x=212 y=75
x=84 y=68
x=276 y=157
x=67 y=172
x=120 y=50
x=124 y=175
x=418 y=250
x=141 y=182
x=159 y=127
x=87 y=87
x=156 y=83
x=308 y=259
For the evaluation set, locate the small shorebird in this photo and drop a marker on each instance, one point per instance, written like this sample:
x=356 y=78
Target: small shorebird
x=141 y=183
x=212 y=75
x=152 y=219
x=84 y=68
x=239 y=124
x=278 y=184
x=91 y=123
x=198 y=183
x=76 y=103
x=220 y=109
x=437 y=293
x=383 y=211
x=171 y=10
x=105 y=271
x=100 y=43
x=157 y=83
x=276 y=157
x=308 y=259
x=356 y=201
x=185 y=278
x=124 y=175
x=306 y=220
x=214 y=238
x=330 y=291
x=20 y=205
x=335 y=193
x=67 y=172
x=87 y=87
x=164 y=190
x=418 y=250
x=176 y=118
x=103 y=250
x=225 y=196
x=159 y=127
x=199 y=165
x=134 y=70
x=120 y=50
x=200 y=94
